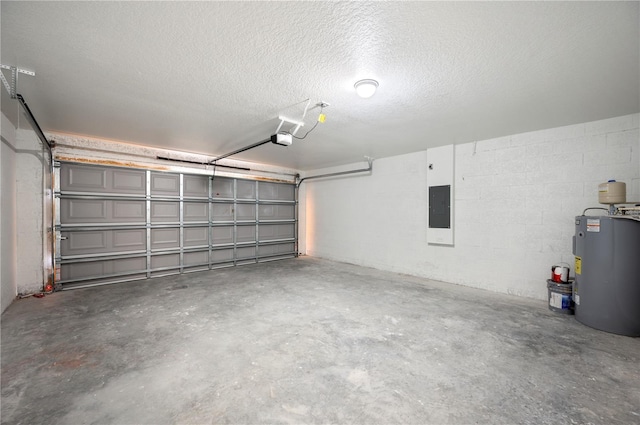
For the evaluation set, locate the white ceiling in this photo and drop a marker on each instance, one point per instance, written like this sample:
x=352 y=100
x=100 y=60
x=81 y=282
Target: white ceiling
x=211 y=77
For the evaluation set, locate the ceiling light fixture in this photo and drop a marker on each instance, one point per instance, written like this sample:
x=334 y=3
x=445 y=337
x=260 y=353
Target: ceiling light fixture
x=366 y=88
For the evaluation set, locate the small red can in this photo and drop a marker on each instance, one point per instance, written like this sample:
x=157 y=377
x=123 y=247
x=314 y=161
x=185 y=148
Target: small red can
x=560 y=274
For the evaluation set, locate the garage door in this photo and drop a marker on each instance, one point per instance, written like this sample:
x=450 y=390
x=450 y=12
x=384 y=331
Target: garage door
x=122 y=224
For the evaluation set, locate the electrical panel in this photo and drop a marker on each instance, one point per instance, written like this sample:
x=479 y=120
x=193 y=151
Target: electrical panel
x=440 y=174
x=440 y=207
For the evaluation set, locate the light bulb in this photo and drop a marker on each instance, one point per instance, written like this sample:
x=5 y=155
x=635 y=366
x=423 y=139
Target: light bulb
x=366 y=88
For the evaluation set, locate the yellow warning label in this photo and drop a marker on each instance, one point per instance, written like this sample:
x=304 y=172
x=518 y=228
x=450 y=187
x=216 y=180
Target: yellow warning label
x=578 y=265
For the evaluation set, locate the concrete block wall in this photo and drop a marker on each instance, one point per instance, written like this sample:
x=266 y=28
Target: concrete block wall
x=30 y=230
x=21 y=220
x=8 y=243
x=515 y=202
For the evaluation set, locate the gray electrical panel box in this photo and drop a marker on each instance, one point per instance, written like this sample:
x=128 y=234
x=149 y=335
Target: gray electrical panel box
x=440 y=207
x=606 y=291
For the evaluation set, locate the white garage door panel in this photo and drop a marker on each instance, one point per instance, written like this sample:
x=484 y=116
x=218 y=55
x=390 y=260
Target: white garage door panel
x=128 y=240
x=196 y=258
x=81 y=243
x=245 y=212
x=165 y=212
x=222 y=255
x=128 y=181
x=102 y=268
x=163 y=262
x=222 y=235
x=84 y=210
x=78 y=211
x=275 y=249
x=127 y=211
x=87 y=178
x=276 y=212
x=245 y=189
x=196 y=186
x=269 y=232
x=163 y=184
x=222 y=188
x=196 y=237
x=247 y=252
x=117 y=224
x=222 y=212
x=275 y=191
x=90 y=178
x=165 y=238
x=245 y=234
x=196 y=211
x=84 y=242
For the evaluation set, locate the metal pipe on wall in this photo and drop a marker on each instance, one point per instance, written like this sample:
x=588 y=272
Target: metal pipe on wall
x=340 y=173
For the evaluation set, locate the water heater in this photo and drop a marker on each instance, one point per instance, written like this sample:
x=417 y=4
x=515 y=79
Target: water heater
x=606 y=290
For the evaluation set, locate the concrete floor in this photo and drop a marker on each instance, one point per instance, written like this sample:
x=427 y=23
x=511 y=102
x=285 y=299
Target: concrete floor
x=308 y=341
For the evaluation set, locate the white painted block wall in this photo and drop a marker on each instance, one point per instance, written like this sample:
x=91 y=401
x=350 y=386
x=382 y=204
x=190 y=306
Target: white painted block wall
x=516 y=198
x=30 y=163
x=8 y=258
x=21 y=229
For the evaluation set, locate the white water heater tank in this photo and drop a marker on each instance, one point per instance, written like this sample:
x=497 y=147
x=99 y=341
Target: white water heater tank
x=612 y=192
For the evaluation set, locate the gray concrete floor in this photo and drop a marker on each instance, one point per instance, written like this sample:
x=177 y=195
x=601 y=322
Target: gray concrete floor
x=308 y=341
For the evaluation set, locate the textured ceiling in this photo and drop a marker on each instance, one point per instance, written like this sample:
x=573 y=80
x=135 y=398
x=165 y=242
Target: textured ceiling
x=210 y=77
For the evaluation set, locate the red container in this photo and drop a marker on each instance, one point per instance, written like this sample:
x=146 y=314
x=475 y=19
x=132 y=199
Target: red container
x=560 y=274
